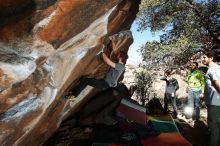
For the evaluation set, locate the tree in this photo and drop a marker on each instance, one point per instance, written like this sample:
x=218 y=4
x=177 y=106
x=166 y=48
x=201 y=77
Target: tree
x=169 y=54
x=188 y=25
x=144 y=81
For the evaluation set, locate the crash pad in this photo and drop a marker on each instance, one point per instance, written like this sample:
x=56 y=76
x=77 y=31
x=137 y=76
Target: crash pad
x=131 y=111
x=165 y=139
x=162 y=123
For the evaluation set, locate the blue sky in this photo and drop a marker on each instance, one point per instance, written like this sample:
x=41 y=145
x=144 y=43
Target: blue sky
x=139 y=39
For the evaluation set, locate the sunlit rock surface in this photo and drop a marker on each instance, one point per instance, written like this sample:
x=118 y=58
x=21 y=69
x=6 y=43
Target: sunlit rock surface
x=45 y=47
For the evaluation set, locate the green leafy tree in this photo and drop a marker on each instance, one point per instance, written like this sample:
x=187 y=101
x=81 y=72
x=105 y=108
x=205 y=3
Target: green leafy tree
x=188 y=26
x=144 y=81
x=177 y=53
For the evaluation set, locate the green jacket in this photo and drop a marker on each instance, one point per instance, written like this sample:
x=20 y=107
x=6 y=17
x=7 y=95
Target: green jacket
x=195 y=80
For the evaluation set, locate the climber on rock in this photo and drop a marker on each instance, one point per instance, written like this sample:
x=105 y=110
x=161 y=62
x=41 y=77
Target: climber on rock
x=110 y=80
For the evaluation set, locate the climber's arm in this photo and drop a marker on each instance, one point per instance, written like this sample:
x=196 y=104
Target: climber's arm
x=107 y=60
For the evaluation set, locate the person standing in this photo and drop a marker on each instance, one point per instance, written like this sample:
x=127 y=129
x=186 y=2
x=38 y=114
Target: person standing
x=170 y=92
x=195 y=82
x=212 y=95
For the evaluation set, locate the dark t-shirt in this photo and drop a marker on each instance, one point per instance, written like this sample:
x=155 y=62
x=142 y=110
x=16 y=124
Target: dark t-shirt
x=171 y=85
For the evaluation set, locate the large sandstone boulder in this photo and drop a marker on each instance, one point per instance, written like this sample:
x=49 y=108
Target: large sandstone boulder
x=45 y=47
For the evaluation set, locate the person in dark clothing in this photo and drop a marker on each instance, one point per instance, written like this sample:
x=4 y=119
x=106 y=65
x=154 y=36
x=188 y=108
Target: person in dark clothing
x=170 y=92
x=110 y=80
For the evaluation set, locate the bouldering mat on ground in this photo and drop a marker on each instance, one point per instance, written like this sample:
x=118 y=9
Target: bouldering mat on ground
x=165 y=139
x=131 y=111
x=162 y=123
x=165 y=117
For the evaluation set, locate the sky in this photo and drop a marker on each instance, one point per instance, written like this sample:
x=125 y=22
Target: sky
x=139 y=39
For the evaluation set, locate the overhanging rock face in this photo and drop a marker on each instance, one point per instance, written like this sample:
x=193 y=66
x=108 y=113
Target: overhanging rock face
x=45 y=47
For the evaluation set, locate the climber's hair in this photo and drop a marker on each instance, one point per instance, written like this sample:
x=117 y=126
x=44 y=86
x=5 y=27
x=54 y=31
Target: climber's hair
x=211 y=54
x=196 y=63
x=123 y=55
x=168 y=72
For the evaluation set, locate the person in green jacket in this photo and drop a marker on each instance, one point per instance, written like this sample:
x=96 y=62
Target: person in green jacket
x=195 y=82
